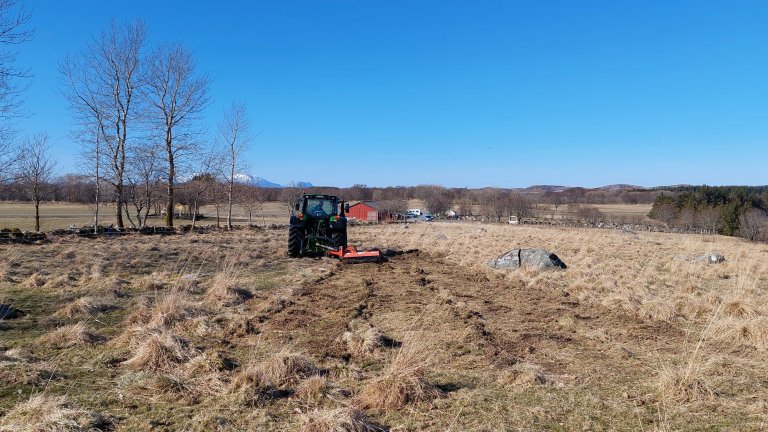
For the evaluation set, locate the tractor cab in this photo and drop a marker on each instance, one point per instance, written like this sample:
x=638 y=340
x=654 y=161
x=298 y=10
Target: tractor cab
x=318 y=206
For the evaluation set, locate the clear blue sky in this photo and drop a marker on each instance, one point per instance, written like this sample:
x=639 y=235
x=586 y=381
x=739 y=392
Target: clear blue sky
x=459 y=93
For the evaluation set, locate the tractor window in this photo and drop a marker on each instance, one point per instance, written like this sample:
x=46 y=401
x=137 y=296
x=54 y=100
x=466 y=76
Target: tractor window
x=321 y=207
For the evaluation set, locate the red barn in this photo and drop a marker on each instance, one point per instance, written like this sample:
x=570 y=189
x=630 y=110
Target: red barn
x=368 y=211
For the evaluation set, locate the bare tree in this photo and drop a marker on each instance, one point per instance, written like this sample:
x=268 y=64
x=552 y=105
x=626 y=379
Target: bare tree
x=247 y=196
x=518 y=205
x=13 y=32
x=100 y=85
x=34 y=169
x=687 y=218
x=290 y=195
x=91 y=160
x=177 y=96
x=234 y=137
x=438 y=199
x=753 y=224
x=144 y=174
x=589 y=214
x=198 y=189
x=709 y=219
x=261 y=195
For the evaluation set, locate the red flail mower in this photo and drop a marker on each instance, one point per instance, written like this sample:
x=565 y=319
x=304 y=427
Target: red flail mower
x=351 y=255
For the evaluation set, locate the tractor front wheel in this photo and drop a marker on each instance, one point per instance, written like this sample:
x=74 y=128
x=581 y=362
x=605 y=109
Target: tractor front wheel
x=295 y=236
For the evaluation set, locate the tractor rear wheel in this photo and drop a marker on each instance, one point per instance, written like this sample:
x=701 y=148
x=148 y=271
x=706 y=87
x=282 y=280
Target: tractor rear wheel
x=295 y=236
x=339 y=239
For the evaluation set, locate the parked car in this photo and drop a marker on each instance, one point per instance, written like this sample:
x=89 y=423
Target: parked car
x=427 y=217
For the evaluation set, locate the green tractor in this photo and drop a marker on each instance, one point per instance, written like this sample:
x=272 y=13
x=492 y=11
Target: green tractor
x=318 y=225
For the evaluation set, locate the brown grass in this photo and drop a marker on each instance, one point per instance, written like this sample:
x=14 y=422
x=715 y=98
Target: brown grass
x=526 y=374
x=601 y=345
x=286 y=368
x=84 y=306
x=337 y=420
x=313 y=389
x=403 y=382
x=159 y=351
x=362 y=339
x=42 y=413
x=37 y=280
x=70 y=336
x=152 y=282
x=172 y=308
x=226 y=288
x=248 y=385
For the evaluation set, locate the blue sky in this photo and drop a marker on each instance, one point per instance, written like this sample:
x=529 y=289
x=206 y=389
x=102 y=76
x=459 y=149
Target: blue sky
x=458 y=93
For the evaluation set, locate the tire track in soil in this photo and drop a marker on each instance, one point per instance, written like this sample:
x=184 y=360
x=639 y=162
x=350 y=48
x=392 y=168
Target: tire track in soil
x=511 y=321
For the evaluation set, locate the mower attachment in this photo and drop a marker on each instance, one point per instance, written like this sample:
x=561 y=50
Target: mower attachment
x=352 y=255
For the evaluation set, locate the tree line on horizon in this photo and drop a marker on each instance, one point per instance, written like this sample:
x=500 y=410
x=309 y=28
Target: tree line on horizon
x=729 y=210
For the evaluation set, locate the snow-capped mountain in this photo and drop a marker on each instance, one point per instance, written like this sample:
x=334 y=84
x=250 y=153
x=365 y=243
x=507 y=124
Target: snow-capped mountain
x=248 y=179
x=262 y=182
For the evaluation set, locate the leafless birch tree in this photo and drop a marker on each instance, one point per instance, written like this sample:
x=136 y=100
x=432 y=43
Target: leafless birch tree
x=177 y=96
x=234 y=137
x=34 y=171
x=14 y=20
x=144 y=174
x=100 y=84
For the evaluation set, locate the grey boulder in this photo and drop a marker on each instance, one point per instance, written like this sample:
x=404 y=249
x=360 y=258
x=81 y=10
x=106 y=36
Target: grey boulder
x=537 y=259
x=711 y=258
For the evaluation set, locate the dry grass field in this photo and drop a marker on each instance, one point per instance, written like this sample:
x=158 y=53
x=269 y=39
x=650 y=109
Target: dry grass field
x=62 y=215
x=223 y=332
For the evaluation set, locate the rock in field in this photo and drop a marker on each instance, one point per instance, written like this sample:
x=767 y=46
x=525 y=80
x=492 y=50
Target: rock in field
x=538 y=259
x=711 y=258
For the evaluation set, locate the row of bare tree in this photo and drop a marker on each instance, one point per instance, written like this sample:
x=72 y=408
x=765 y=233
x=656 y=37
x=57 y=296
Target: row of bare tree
x=138 y=115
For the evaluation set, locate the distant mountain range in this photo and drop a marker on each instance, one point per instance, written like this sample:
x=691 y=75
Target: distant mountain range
x=545 y=188
x=248 y=179
x=262 y=182
x=554 y=188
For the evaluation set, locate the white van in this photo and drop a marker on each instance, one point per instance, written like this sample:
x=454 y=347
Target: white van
x=415 y=212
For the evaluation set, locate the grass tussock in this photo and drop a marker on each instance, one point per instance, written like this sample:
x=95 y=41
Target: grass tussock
x=209 y=363
x=684 y=383
x=155 y=281
x=750 y=332
x=172 y=308
x=36 y=280
x=362 y=339
x=286 y=368
x=141 y=313
x=84 y=306
x=59 y=282
x=738 y=309
x=337 y=420
x=43 y=413
x=248 y=386
x=525 y=374
x=38 y=374
x=18 y=354
x=313 y=389
x=226 y=289
x=402 y=383
x=159 y=351
x=71 y=335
